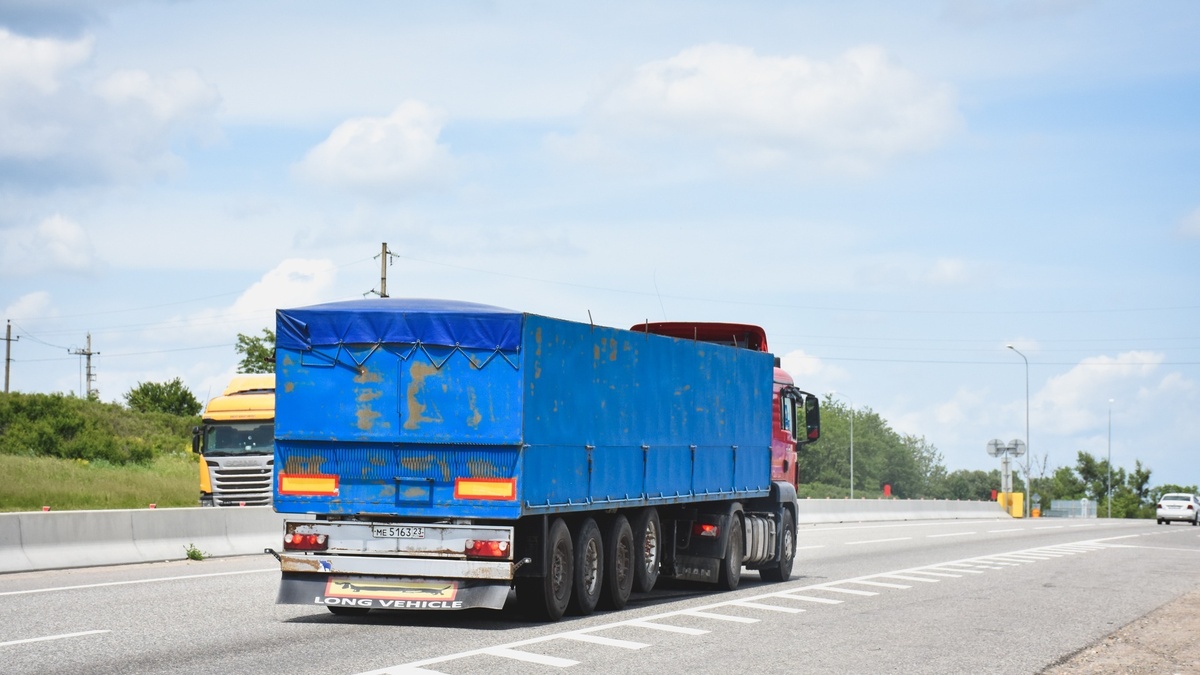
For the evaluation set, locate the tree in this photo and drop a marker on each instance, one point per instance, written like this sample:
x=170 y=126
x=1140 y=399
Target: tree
x=258 y=353
x=166 y=397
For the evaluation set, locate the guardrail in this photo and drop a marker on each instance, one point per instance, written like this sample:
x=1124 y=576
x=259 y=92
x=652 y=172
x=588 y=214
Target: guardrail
x=31 y=541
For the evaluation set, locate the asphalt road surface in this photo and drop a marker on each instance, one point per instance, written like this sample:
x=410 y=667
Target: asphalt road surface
x=919 y=597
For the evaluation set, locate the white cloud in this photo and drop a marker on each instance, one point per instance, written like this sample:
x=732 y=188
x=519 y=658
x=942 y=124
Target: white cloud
x=1190 y=225
x=382 y=155
x=806 y=368
x=37 y=63
x=37 y=304
x=765 y=111
x=1077 y=400
x=292 y=283
x=61 y=125
x=56 y=244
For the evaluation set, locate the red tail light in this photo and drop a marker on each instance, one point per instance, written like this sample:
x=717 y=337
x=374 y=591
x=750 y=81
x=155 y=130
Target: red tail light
x=706 y=530
x=1158 y=506
x=294 y=541
x=1190 y=508
x=477 y=548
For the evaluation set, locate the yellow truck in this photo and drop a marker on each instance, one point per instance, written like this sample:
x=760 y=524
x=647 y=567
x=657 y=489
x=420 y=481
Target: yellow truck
x=236 y=443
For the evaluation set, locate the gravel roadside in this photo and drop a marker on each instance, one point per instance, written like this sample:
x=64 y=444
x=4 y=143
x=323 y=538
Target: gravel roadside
x=1165 y=641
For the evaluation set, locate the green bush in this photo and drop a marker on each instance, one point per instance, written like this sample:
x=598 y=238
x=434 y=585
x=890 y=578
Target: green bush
x=66 y=427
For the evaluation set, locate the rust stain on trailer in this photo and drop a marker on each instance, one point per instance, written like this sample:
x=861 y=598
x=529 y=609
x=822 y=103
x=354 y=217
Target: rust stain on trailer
x=367 y=376
x=300 y=464
x=475 y=417
x=419 y=373
x=417 y=464
x=366 y=417
x=481 y=468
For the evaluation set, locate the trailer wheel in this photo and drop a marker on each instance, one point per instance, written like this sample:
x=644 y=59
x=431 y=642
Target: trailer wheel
x=647 y=548
x=787 y=550
x=546 y=597
x=589 y=568
x=735 y=550
x=618 y=564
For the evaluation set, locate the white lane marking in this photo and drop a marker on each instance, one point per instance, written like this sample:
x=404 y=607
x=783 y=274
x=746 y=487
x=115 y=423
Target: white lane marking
x=607 y=642
x=942 y=574
x=809 y=598
x=906 y=577
x=878 y=584
x=138 y=581
x=540 y=659
x=1050 y=527
x=805 y=548
x=957 y=568
x=1154 y=548
x=1011 y=529
x=877 y=541
x=53 y=637
x=770 y=608
x=667 y=627
x=949 y=534
x=848 y=591
x=649 y=622
x=722 y=617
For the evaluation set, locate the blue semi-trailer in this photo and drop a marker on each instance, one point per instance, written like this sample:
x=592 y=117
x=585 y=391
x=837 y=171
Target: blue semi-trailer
x=439 y=454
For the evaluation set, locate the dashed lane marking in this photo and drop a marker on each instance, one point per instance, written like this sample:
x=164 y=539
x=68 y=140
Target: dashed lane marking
x=847 y=591
x=769 y=608
x=660 y=622
x=722 y=617
x=52 y=637
x=606 y=641
x=668 y=627
x=527 y=657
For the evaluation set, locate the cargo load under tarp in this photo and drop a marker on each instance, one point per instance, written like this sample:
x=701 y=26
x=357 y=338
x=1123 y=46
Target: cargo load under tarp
x=427 y=408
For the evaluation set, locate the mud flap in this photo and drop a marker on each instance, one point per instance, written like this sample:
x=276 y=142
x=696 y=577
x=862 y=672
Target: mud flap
x=368 y=592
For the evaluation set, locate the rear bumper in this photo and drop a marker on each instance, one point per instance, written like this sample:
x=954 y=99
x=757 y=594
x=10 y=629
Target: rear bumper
x=394 y=593
x=1182 y=516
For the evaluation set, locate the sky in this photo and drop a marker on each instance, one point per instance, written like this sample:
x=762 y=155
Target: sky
x=896 y=192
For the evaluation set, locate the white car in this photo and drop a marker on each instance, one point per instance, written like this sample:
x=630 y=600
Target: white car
x=1179 y=506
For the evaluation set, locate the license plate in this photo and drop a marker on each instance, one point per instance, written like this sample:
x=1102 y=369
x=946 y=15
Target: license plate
x=397 y=532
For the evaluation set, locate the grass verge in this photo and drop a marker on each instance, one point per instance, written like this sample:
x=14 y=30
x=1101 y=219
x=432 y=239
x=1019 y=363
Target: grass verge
x=29 y=483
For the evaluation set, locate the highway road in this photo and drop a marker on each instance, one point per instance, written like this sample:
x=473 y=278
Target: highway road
x=909 y=597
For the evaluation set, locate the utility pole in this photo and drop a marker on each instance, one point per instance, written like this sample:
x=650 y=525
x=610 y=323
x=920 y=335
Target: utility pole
x=385 y=259
x=91 y=375
x=8 y=340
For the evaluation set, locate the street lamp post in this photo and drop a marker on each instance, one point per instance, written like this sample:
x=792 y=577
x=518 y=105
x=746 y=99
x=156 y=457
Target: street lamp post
x=1110 y=402
x=1027 y=457
x=831 y=394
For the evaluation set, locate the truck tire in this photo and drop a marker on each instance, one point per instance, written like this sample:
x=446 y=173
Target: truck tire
x=545 y=598
x=731 y=565
x=618 y=564
x=787 y=550
x=347 y=611
x=647 y=549
x=589 y=568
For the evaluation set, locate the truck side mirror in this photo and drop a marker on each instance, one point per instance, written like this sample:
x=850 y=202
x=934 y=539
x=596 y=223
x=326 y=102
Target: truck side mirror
x=812 y=417
x=197 y=432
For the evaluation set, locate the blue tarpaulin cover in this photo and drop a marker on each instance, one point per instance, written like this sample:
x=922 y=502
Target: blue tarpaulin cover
x=444 y=323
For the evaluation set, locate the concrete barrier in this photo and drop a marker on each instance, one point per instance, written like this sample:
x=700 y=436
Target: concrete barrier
x=814 y=511
x=63 y=539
